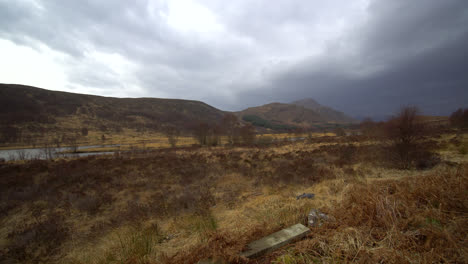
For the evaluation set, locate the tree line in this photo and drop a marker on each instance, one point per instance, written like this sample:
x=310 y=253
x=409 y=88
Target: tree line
x=209 y=134
x=407 y=134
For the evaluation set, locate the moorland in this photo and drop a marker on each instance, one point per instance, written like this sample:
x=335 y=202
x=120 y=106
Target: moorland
x=394 y=192
x=180 y=205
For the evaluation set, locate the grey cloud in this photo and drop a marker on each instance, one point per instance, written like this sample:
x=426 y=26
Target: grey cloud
x=415 y=51
x=362 y=61
x=399 y=29
x=435 y=80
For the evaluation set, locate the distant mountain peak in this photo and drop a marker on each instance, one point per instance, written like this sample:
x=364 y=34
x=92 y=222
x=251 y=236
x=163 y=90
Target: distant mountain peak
x=304 y=113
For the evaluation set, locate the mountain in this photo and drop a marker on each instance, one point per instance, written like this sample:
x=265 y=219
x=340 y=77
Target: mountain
x=280 y=116
x=34 y=108
x=36 y=112
x=324 y=111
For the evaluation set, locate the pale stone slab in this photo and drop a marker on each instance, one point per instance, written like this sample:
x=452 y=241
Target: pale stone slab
x=276 y=240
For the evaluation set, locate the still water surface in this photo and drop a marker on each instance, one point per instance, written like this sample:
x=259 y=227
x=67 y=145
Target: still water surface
x=41 y=153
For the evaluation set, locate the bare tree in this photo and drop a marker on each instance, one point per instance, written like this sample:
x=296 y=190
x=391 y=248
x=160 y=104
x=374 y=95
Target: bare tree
x=201 y=132
x=229 y=124
x=214 y=135
x=372 y=129
x=22 y=155
x=367 y=127
x=459 y=118
x=172 y=135
x=48 y=151
x=57 y=141
x=247 y=134
x=340 y=132
x=405 y=132
x=72 y=141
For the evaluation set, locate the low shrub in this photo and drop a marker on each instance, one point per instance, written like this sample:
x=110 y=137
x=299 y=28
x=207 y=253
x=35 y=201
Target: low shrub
x=39 y=240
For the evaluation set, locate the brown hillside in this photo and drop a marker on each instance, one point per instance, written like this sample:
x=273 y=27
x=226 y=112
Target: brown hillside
x=38 y=108
x=326 y=112
x=289 y=115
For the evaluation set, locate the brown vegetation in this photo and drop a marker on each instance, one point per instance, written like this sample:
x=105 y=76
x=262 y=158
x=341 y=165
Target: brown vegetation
x=459 y=118
x=172 y=135
x=405 y=139
x=186 y=204
x=230 y=124
x=27 y=113
x=405 y=132
x=416 y=219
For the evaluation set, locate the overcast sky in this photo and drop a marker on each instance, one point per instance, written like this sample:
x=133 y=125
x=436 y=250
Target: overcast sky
x=363 y=57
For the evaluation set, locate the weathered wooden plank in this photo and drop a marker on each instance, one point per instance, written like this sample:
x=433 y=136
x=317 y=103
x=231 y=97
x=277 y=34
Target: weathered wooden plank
x=275 y=240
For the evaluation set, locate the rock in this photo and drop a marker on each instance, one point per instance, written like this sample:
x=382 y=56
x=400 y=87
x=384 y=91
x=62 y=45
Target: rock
x=316 y=218
x=275 y=240
x=169 y=237
x=305 y=195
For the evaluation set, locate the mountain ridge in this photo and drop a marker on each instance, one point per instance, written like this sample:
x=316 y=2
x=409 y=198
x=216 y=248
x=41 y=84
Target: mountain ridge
x=325 y=111
x=20 y=104
x=35 y=108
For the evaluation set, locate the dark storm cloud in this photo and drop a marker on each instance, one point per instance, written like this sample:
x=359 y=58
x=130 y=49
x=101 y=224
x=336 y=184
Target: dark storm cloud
x=361 y=57
x=407 y=52
x=434 y=80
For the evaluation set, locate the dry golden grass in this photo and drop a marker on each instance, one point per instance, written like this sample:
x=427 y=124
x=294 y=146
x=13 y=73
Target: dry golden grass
x=129 y=139
x=183 y=205
x=417 y=219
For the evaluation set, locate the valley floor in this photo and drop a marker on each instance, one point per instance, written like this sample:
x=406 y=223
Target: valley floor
x=186 y=204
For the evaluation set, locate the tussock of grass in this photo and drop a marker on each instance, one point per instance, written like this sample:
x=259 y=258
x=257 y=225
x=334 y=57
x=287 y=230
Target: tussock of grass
x=419 y=219
x=133 y=244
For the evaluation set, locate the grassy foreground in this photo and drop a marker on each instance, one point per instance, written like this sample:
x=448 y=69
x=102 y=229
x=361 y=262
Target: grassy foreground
x=186 y=204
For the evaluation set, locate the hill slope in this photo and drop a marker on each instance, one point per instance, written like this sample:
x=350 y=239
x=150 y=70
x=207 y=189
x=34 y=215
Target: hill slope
x=30 y=112
x=25 y=105
x=326 y=112
x=279 y=116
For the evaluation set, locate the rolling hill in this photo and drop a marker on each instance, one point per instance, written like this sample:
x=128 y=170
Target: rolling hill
x=324 y=111
x=304 y=114
x=33 y=108
x=27 y=111
x=280 y=116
